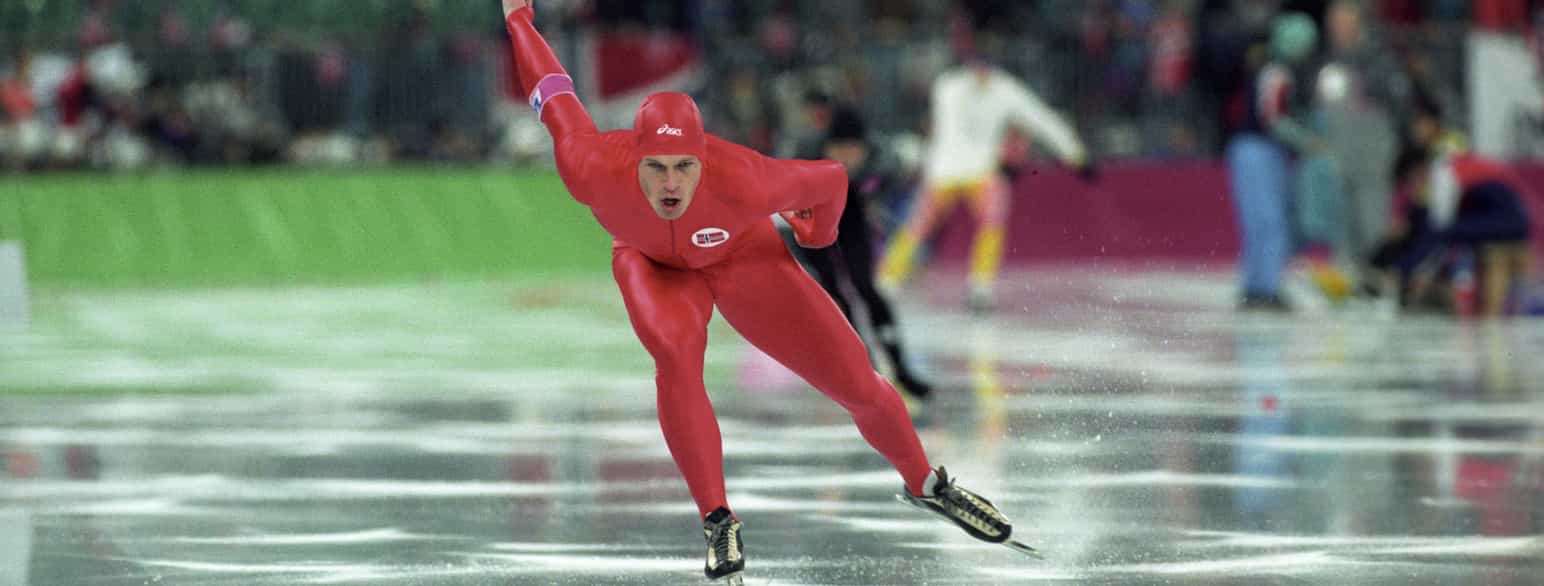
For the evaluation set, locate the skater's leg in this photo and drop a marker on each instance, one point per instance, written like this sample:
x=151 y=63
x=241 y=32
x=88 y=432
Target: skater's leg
x=852 y=239
x=989 y=203
x=779 y=309
x=856 y=242
x=825 y=263
x=900 y=256
x=669 y=310
x=857 y=246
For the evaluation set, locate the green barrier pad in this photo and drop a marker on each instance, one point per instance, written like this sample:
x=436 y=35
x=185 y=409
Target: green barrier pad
x=284 y=226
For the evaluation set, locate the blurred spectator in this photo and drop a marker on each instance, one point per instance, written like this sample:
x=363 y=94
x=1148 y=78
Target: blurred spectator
x=95 y=26
x=1457 y=204
x=1363 y=71
x=173 y=29
x=114 y=81
x=1429 y=130
x=747 y=118
x=450 y=144
x=1223 y=69
x=16 y=90
x=97 y=105
x=816 y=110
x=74 y=98
x=23 y=138
x=238 y=127
x=1170 y=109
x=1429 y=87
x=1259 y=163
x=1149 y=77
x=1114 y=43
x=167 y=122
x=1355 y=89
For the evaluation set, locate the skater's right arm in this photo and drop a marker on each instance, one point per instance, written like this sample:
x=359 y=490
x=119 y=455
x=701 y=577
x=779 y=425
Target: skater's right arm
x=1045 y=124
x=546 y=83
x=551 y=93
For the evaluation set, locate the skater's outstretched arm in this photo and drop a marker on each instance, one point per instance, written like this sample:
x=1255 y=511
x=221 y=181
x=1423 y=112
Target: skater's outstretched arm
x=542 y=78
x=1046 y=125
x=576 y=140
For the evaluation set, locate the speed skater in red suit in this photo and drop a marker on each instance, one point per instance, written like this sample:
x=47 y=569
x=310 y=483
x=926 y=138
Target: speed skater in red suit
x=690 y=215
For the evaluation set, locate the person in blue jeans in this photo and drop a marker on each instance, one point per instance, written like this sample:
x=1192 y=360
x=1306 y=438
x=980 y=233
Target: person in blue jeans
x=1259 y=160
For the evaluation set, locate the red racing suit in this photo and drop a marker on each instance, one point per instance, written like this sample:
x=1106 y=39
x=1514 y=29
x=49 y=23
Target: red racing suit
x=723 y=251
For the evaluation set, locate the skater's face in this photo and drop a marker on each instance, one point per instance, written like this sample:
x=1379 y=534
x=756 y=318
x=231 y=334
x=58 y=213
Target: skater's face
x=669 y=181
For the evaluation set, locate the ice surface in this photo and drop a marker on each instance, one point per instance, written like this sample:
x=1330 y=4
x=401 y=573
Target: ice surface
x=1137 y=429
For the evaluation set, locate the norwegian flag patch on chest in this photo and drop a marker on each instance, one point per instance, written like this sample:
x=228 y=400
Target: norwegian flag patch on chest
x=710 y=237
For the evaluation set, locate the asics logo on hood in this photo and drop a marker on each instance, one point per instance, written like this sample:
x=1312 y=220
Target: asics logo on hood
x=670 y=130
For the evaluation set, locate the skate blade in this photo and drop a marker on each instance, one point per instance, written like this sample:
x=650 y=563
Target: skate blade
x=735 y=579
x=1012 y=544
x=1018 y=546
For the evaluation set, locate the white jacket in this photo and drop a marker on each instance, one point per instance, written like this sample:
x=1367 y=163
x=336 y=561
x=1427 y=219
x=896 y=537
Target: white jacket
x=970 y=116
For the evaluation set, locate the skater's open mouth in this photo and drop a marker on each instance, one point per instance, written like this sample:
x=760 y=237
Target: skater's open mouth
x=671 y=202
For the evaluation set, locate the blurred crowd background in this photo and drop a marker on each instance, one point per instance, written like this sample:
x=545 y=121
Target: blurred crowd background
x=121 y=84
x=1160 y=90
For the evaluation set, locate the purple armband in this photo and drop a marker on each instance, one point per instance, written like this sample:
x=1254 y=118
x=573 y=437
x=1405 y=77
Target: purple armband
x=549 y=87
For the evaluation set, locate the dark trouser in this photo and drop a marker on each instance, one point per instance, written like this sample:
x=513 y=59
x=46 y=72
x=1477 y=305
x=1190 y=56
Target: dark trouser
x=852 y=257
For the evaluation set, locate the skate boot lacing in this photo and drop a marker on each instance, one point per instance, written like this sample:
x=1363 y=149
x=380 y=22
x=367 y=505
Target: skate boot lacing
x=725 y=541
x=974 y=510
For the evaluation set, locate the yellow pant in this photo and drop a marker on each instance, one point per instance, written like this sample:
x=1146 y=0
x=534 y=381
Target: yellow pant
x=988 y=201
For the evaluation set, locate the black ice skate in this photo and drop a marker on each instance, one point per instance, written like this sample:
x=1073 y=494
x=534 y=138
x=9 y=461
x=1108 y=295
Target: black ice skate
x=976 y=515
x=726 y=553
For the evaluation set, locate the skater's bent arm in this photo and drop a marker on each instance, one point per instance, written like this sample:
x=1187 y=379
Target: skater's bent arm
x=546 y=83
x=1046 y=125
x=810 y=194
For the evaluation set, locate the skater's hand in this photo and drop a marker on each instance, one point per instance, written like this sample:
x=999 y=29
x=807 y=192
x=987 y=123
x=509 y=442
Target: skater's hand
x=1089 y=172
x=803 y=223
x=510 y=6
